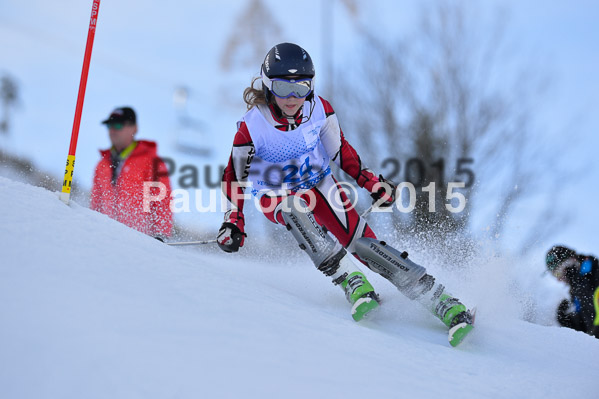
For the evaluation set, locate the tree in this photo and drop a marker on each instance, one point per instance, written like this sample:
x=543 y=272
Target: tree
x=9 y=98
x=251 y=38
x=447 y=104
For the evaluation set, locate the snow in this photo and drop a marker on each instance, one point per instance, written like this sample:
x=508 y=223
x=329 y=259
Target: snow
x=92 y=309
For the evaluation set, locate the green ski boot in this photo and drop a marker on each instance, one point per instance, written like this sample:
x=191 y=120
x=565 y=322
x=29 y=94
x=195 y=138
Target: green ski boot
x=456 y=317
x=360 y=294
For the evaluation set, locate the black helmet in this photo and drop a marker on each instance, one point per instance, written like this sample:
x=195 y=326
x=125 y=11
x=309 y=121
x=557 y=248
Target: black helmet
x=287 y=59
x=556 y=255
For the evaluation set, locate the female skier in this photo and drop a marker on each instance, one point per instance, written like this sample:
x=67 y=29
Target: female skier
x=281 y=152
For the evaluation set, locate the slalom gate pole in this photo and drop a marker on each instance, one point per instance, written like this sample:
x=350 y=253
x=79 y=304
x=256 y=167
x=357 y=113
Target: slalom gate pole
x=67 y=182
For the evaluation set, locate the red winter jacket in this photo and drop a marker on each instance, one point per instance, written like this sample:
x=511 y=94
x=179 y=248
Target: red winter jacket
x=124 y=201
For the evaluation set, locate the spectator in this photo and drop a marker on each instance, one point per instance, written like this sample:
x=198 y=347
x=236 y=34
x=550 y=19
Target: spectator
x=119 y=185
x=579 y=272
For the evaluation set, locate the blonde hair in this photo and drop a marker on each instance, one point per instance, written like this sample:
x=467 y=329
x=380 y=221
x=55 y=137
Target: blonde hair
x=253 y=96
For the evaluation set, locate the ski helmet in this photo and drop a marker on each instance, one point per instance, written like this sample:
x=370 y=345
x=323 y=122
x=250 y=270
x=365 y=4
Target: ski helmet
x=556 y=255
x=287 y=59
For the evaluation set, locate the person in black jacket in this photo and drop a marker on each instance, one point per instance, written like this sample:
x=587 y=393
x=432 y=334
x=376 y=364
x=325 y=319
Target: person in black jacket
x=581 y=273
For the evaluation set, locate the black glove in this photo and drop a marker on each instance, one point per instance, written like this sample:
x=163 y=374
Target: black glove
x=383 y=192
x=231 y=235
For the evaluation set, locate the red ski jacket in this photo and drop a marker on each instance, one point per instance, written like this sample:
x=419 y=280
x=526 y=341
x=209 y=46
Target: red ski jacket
x=124 y=200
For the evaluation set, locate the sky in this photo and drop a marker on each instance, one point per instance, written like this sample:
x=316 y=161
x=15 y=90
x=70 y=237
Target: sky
x=144 y=51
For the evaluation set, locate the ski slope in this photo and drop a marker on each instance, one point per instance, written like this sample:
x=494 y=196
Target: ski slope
x=91 y=309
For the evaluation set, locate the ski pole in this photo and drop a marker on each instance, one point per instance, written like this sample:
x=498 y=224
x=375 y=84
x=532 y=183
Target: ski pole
x=192 y=242
x=65 y=195
x=367 y=211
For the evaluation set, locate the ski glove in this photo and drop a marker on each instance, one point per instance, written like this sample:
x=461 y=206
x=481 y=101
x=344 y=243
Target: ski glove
x=382 y=191
x=231 y=235
x=566 y=315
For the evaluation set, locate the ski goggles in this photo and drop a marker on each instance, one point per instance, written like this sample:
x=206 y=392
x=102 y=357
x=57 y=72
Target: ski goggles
x=118 y=125
x=115 y=125
x=285 y=88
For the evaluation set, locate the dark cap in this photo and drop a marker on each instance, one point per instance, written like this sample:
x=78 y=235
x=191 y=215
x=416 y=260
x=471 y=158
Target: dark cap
x=558 y=254
x=121 y=115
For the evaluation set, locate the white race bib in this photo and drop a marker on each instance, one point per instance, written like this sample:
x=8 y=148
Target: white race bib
x=287 y=160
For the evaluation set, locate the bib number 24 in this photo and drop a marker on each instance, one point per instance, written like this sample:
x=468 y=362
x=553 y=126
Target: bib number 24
x=295 y=174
